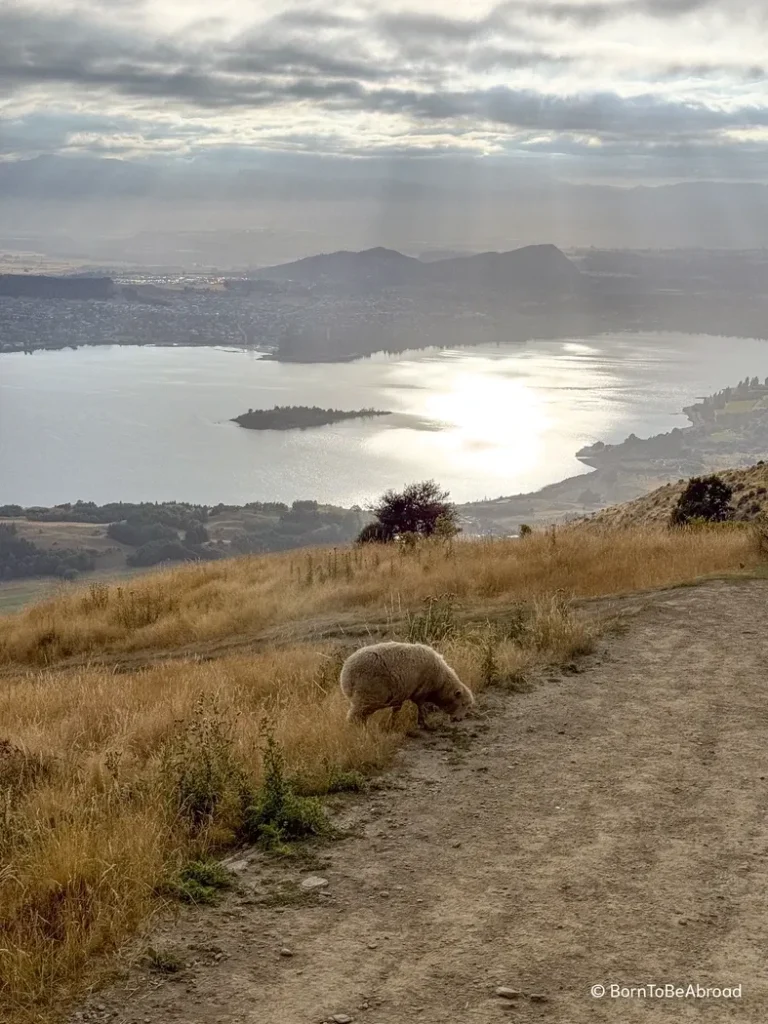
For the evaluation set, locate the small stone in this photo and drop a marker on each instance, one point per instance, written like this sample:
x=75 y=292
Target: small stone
x=312 y=882
x=286 y=952
x=341 y=1018
x=384 y=894
x=456 y=845
x=508 y=993
x=373 y=944
x=537 y=997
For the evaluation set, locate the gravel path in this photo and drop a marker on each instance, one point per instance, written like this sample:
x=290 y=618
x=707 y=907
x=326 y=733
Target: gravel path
x=609 y=827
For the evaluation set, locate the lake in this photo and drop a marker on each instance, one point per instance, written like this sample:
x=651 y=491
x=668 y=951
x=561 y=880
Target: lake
x=149 y=423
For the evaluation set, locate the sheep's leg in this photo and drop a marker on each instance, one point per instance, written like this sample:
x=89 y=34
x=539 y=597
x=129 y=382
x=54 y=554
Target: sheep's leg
x=360 y=715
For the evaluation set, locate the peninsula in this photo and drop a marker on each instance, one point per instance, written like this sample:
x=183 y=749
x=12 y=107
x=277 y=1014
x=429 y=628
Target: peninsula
x=728 y=430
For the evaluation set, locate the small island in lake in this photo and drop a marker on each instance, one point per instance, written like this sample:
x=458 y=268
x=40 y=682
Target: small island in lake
x=299 y=417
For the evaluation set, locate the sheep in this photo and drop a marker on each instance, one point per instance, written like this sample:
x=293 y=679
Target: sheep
x=386 y=675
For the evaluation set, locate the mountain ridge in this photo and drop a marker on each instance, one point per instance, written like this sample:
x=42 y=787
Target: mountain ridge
x=530 y=267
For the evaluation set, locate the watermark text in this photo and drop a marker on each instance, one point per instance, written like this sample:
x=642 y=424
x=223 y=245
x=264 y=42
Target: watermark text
x=653 y=990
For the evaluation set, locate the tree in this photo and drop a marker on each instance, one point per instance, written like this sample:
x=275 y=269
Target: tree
x=707 y=497
x=446 y=528
x=418 y=509
x=137 y=532
x=195 y=535
x=374 y=533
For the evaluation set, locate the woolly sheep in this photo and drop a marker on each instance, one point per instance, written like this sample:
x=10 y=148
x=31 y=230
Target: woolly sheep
x=388 y=674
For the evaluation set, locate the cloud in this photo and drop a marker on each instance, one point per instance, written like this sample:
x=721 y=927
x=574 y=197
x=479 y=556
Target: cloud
x=581 y=78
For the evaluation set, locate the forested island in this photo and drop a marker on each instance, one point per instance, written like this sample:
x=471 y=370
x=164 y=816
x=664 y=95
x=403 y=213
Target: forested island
x=299 y=417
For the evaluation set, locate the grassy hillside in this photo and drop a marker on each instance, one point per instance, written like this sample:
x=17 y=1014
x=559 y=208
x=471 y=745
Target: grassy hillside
x=93 y=530
x=134 y=717
x=750 y=500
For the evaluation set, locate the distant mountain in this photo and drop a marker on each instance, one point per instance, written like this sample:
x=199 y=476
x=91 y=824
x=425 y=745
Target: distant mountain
x=377 y=266
x=535 y=270
x=40 y=287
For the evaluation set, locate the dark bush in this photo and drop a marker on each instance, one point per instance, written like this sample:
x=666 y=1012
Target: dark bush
x=196 y=534
x=247 y=544
x=138 y=532
x=375 y=533
x=704 y=498
x=417 y=509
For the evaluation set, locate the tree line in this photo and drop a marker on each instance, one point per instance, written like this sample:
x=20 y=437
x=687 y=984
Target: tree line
x=21 y=558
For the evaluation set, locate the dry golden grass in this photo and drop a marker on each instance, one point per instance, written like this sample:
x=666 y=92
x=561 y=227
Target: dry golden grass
x=750 y=500
x=93 y=762
x=243 y=596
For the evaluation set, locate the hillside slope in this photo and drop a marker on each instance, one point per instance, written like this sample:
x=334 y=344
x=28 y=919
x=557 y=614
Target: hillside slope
x=750 y=500
x=135 y=719
x=595 y=831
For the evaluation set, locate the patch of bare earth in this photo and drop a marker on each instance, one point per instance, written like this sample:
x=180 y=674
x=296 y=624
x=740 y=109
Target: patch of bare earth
x=611 y=826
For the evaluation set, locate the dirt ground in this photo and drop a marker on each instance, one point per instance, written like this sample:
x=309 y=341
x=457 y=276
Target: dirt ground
x=608 y=827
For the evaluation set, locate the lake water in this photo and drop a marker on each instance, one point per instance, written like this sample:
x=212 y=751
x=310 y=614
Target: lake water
x=107 y=424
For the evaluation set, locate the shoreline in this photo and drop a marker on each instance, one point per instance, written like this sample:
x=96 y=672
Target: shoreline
x=728 y=430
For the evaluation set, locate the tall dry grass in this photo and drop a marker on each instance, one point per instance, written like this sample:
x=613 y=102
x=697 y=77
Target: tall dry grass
x=93 y=824
x=208 y=602
x=95 y=764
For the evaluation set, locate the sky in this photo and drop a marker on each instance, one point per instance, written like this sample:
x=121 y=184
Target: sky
x=367 y=99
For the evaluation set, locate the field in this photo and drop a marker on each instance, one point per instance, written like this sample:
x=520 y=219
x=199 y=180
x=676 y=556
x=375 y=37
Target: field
x=110 y=555
x=134 y=715
x=73 y=535
x=15 y=594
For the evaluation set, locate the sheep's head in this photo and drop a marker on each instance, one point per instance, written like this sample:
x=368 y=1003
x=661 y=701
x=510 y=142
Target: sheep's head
x=461 y=701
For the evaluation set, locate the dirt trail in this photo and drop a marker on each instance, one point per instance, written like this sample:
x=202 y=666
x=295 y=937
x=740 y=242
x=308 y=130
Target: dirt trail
x=608 y=827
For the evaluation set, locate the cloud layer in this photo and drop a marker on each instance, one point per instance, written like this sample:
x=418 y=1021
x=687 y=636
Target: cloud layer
x=599 y=88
